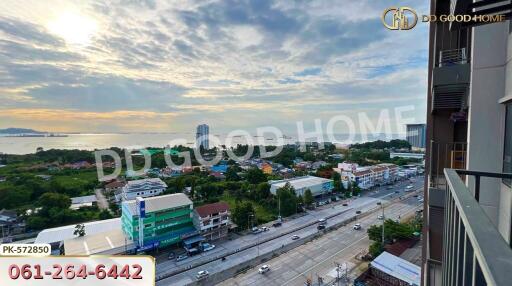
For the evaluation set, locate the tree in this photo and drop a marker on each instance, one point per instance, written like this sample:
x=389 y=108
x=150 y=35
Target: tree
x=308 y=198
x=336 y=177
x=288 y=199
x=105 y=214
x=375 y=249
x=241 y=213
x=79 y=230
x=231 y=174
x=54 y=200
x=256 y=176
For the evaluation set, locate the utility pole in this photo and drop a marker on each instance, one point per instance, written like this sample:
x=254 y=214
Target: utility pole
x=383 y=221
x=337 y=273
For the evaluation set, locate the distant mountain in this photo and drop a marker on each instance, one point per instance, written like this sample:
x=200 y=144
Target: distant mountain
x=19 y=131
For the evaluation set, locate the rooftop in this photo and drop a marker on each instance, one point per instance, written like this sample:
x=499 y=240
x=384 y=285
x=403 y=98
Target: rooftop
x=62 y=233
x=214 y=208
x=159 y=203
x=300 y=182
x=83 y=200
x=144 y=184
x=98 y=243
x=398 y=268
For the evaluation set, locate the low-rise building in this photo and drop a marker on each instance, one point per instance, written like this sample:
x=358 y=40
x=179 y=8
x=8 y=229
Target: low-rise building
x=84 y=201
x=141 y=188
x=212 y=220
x=266 y=168
x=114 y=187
x=157 y=221
x=317 y=185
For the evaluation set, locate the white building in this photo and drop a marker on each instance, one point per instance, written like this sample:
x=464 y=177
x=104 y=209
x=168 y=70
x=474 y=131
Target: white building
x=141 y=188
x=212 y=220
x=202 y=134
x=367 y=177
x=84 y=201
x=317 y=185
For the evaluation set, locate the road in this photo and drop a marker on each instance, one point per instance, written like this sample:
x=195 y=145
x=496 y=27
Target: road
x=317 y=258
x=188 y=270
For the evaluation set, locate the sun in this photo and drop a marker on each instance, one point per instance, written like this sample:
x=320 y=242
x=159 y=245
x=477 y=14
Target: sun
x=74 y=28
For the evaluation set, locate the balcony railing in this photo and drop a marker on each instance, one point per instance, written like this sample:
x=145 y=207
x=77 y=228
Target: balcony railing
x=453 y=57
x=474 y=252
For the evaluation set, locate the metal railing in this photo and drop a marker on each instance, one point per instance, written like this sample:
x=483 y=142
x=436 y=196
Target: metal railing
x=445 y=155
x=452 y=57
x=474 y=252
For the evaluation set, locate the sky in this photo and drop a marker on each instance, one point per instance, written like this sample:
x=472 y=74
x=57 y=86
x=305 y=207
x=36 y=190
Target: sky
x=167 y=66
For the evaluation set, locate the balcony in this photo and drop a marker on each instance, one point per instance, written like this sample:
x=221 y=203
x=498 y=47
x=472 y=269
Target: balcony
x=450 y=80
x=474 y=252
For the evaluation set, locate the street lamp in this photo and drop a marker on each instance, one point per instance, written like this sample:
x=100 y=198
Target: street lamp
x=383 y=220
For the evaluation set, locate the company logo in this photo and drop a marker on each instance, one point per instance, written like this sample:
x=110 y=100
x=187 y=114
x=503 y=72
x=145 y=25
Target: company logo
x=402 y=18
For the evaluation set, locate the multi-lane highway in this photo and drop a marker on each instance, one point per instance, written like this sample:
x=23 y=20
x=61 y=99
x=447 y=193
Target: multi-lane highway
x=184 y=272
x=318 y=257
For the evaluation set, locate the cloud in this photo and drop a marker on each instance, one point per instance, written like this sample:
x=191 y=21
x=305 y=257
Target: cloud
x=231 y=63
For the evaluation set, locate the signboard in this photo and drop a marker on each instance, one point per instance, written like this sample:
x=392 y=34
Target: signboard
x=141 y=207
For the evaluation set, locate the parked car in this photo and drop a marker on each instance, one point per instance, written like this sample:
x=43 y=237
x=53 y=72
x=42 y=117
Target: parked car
x=256 y=230
x=381 y=217
x=344 y=204
x=208 y=247
x=358 y=212
x=171 y=255
x=264 y=228
x=357 y=226
x=320 y=226
x=264 y=269
x=322 y=221
x=295 y=237
x=181 y=257
x=202 y=274
x=277 y=224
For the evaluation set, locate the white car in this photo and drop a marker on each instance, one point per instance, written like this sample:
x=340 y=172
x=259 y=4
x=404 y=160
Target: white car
x=264 y=228
x=357 y=226
x=295 y=237
x=381 y=217
x=208 y=247
x=264 y=269
x=202 y=274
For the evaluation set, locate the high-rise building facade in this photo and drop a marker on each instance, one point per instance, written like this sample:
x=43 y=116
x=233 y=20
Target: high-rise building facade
x=467 y=234
x=416 y=135
x=202 y=134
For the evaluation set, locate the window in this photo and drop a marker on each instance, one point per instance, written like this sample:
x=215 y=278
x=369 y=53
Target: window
x=507 y=154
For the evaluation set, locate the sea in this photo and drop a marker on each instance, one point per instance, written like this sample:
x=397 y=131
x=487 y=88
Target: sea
x=15 y=144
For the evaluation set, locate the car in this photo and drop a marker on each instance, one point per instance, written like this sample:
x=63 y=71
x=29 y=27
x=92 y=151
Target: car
x=295 y=237
x=171 y=255
x=208 y=247
x=181 y=257
x=264 y=269
x=322 y=221
x=344 y=204
x=255 y=230
x=420 y=200
x=202 y=274
x=277 y=224
x=389 y=188
x=357 y=226
x=264 y=228
x=381 y=217
x=320 y=226
x=358 y=212
x=409 y=187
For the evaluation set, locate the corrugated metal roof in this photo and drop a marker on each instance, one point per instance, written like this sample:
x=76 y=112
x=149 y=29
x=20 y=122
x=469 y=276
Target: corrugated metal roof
x=300 y=183
x=62 y=233
x=398 y=268
x=84 y=199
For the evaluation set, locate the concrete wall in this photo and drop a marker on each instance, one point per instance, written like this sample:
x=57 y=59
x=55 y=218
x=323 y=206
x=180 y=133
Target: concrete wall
x=486 y=115
x=505 y=206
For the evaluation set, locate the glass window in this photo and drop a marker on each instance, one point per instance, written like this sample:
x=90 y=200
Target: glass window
x=507 y=154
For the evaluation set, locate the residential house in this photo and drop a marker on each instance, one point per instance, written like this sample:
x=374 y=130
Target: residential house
x=212 y=220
